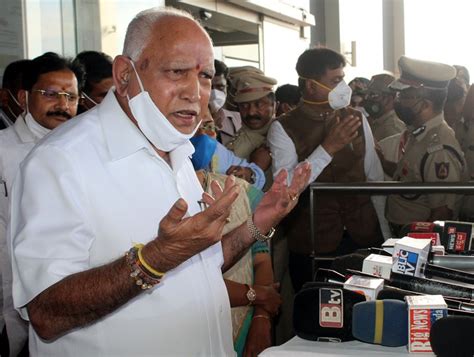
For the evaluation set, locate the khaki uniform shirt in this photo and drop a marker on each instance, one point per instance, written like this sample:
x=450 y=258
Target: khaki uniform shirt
x=431 y=154
x=465 y=135
x=387 y=125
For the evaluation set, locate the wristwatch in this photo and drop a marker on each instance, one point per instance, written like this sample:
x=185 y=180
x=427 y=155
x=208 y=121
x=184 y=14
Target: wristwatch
x=256 y=233
x=251 y=294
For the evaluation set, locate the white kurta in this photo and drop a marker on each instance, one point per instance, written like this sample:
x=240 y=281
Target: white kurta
x=83 y=197
x=15 y=143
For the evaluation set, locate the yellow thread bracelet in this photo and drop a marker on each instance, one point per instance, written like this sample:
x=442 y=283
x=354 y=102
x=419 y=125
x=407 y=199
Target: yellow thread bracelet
x=142 y=261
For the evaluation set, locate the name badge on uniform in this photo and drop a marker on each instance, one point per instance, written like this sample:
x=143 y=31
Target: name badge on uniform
x=442 y=170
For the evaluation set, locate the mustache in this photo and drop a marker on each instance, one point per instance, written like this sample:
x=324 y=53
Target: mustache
x=253 y=117
x=59 y=113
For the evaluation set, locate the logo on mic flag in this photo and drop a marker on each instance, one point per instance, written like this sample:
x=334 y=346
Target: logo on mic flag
x=331 y=308
x=406 y=262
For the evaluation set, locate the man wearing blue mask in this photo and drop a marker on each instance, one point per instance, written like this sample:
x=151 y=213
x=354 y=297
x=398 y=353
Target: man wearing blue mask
x=116 y=249
x=337 y=141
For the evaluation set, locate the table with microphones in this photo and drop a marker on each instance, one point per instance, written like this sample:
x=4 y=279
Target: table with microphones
x=390 y=301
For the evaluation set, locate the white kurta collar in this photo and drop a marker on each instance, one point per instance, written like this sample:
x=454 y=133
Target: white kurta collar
x=124 y=138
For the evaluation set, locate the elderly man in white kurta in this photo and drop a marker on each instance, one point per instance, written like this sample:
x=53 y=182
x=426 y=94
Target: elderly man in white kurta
x=121 y=181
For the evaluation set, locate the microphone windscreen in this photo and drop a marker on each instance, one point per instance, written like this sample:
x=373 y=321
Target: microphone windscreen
x=323 y=311
x=349 y=261
x=382 y=322
x=451 y=336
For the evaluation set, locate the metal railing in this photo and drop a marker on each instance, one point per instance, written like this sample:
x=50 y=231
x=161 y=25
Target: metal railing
x=381 y=188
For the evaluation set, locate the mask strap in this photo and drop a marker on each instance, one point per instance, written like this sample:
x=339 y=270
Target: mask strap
x=138 y=77
x=13 y=97
x=315 y=81
x=317 y=103
x=26 y=99
x=319 y=84
x=89 y=98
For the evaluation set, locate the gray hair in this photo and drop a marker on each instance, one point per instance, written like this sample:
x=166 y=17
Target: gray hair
x=139 y=29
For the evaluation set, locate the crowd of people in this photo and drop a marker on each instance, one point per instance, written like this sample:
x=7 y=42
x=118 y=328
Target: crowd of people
x=141 y=193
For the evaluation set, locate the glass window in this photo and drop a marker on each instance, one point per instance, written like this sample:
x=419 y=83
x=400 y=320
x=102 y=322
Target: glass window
x=50 y=26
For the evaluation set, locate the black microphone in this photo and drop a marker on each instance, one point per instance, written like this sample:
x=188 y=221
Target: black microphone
x=323 y=312
x=454 y=306
x=356 y=261
x=431 y=286
x=451 y=336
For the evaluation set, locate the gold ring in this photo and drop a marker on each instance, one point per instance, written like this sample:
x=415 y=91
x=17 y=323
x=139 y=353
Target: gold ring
x=293 y=197
x=227 y=219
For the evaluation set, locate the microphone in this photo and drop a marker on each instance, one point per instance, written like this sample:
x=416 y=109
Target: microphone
x=455 y=236
x=410 y=257
x=451 y=336
x=454 y=306
x=420 y=285
x=460 y=262
x=323 y=312
x=382 y=322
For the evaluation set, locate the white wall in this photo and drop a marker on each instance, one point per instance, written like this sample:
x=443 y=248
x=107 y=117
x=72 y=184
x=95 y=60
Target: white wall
x=115 y=17
x=361 y=21
x=440 y=31
x=282 y=46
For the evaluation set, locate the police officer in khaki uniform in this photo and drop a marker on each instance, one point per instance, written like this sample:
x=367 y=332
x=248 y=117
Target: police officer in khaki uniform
x=466 y=140
x=378 y=103
x=430 y=151
x=255 y=99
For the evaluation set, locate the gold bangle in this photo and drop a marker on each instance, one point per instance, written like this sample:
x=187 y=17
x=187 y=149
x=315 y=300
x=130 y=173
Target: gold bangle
x=147 y=266
x=262 y=317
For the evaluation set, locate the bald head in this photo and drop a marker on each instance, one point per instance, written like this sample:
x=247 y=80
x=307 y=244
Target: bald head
x=142 y=29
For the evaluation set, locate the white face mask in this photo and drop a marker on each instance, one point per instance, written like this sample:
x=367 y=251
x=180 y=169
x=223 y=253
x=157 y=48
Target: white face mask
x=153 y=124
x=340 y=96
x=36 y=128
x=216 y=100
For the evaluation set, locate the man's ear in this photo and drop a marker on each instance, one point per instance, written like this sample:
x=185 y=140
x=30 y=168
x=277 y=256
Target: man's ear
x=22 y=94
x=121 y=74
x=309 y=87
x=3 y=97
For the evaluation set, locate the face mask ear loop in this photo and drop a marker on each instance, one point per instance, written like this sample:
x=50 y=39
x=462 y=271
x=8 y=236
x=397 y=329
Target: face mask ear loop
x=138 y=77
x=13 y=97
x=26 y=100
x=319 y=84
x=89 y=98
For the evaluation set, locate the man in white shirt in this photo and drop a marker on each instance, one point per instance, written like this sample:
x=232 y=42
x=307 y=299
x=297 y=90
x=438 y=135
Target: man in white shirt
x=51 y=86
x=10 y=108
x=120 y=173
x=337 y=141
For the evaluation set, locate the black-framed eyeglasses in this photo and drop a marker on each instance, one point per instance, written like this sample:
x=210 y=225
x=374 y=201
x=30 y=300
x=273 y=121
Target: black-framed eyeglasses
x=50 y=94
